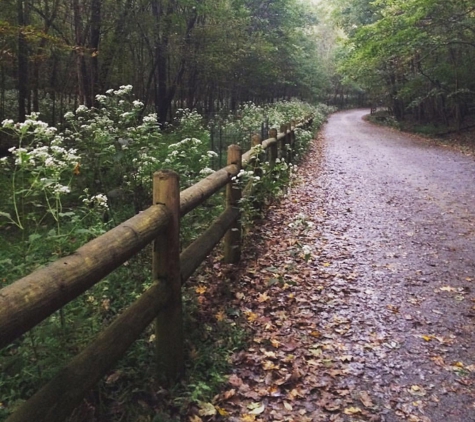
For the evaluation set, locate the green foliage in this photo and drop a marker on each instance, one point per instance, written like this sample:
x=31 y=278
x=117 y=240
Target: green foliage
x=62 y=187
x=416 y=56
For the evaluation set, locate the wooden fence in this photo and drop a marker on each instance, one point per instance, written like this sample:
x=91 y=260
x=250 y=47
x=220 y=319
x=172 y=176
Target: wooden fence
x=33 y=298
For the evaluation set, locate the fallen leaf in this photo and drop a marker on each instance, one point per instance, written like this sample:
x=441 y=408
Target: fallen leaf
x=417 y=390
x=352 y=410
x=258 y=410
x=222 y=411
x=220 y=316
x=201 y=290
x=365 y=398
x=206 y=409
x=235 y=381
x=263 y=297
x=447 y=289
x=228 y=394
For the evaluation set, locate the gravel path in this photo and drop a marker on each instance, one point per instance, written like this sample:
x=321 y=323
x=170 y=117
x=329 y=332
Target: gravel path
x=359 y=286
x=406 y=211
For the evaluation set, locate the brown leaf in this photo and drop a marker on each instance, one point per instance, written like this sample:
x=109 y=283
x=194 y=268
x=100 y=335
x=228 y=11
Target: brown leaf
x=366 y=399
x=234 y=380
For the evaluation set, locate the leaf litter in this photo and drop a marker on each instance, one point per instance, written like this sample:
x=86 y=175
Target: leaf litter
x=329 y=339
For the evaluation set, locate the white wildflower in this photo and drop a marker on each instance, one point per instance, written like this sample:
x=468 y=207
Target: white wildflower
x=7 y=123
x=206 y=171
x=59 y=189
x=49 y=162
x=81 y=108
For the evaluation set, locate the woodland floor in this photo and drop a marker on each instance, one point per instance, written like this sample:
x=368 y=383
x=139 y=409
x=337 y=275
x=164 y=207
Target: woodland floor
x=358 y=287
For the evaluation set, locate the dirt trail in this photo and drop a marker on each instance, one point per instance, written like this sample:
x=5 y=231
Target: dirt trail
x=374 y=318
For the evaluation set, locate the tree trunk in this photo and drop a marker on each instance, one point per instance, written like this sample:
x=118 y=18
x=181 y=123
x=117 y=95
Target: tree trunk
x=22 y=63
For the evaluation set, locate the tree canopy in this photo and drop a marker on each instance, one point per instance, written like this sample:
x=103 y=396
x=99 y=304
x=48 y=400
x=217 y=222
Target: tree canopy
x=203 y=54
x=416 y=56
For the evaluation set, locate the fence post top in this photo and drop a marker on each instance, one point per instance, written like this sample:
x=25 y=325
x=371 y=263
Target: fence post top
x=165 y=174
x=256 y=139
x=234 y=147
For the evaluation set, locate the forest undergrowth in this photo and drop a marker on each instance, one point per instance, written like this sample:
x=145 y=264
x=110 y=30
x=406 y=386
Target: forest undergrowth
x=61 y=187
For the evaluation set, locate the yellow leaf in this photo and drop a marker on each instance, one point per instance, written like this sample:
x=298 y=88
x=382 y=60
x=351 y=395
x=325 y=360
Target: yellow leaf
x=275 y=343
x=263 y=297
x=269 y=365
x=220 y=316
x=326 y=264
x=258 y=410
x=206 y=409
x=248 y=418
x=416 y=390
x=427 y=337
x=270 y=355
x=201 y=290
x=316 y=334
x=222 y=411
x=352 y=410
x=251 y=316
x=458 y=364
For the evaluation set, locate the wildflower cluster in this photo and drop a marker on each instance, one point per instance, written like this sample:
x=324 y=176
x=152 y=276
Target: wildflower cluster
x=41 y=168
x=191 y=159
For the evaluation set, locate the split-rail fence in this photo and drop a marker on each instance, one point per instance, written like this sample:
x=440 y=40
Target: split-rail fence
x=30 y=300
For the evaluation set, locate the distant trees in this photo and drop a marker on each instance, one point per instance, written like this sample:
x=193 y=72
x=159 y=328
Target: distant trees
x=57 y=54
x=415 y=55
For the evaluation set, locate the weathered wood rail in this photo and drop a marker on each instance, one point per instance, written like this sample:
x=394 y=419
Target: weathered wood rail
x=33 y=298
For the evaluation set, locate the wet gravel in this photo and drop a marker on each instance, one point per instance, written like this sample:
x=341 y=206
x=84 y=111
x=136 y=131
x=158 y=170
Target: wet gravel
x=399 y=216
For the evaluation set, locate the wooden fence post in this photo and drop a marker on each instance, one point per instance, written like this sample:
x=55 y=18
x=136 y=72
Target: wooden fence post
x=232 y=239
x=273 y=148
x=293 y=124
x=256 y=140
x=282 y=144
x=257 y=160
x=166 y=267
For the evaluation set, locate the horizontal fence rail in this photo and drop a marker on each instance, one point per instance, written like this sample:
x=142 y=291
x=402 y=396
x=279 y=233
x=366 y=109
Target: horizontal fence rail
x=33 y=298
